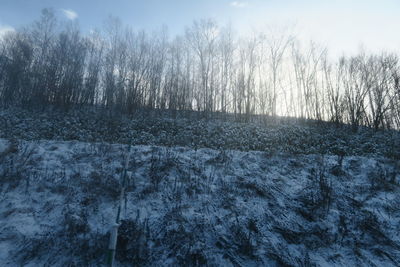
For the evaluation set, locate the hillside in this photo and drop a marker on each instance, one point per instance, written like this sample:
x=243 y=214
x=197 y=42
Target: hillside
x=199 y=193
x=199 y=133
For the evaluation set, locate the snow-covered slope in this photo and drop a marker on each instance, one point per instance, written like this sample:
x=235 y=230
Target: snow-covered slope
x=195 y=207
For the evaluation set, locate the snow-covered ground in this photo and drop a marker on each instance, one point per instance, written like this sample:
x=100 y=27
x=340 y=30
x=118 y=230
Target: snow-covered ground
x=187 y=206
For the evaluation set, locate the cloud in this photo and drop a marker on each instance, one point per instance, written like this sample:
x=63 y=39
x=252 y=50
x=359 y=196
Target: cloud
x=239 y=4
x=4 y=29
x=70 y=14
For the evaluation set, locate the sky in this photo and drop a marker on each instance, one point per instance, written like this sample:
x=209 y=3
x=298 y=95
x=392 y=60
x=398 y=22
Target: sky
x=343 y=26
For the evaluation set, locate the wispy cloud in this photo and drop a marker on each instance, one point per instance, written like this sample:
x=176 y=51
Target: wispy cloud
x=5 y=29
x=239 y=4
x=69 y=14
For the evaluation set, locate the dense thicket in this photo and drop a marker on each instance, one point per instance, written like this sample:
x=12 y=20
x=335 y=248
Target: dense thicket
x=208 y=69
x=286 y=136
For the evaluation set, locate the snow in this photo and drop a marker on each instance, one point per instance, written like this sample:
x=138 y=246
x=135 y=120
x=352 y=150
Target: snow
x=3 y=145
x=186 y=206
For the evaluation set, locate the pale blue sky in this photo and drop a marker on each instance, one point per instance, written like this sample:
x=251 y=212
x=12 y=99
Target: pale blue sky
x=343 y=26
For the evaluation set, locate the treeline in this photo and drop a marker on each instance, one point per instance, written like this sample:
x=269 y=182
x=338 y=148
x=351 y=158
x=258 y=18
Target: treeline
x=208 y=68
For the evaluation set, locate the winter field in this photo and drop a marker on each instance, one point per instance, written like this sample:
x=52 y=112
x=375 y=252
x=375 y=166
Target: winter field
x=216 y=193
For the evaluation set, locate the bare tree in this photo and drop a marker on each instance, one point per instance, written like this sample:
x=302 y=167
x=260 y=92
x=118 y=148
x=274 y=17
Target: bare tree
x=276 y=42
x=202 y=36
x=207 y=69
x=333 y=77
